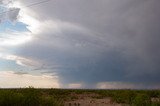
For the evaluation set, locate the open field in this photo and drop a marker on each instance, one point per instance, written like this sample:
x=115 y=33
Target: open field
x=68 y=97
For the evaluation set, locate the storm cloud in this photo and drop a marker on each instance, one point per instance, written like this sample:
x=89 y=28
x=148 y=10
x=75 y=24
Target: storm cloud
x=90 y=41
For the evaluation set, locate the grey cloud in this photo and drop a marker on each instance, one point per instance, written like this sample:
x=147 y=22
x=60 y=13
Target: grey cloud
x=13 y=14
x=122 y=43
x=8 y=13
x=5 y=2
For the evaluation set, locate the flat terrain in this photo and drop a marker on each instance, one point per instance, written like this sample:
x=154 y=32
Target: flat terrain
x=78 y=97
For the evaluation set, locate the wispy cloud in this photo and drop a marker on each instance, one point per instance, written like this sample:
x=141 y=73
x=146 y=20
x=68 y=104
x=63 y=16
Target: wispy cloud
x=22 y=61
x=12 y=38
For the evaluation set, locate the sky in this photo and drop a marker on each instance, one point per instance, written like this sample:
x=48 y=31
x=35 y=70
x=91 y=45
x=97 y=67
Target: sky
x=96 y=44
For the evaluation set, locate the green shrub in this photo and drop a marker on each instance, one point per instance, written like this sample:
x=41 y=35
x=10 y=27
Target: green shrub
x=31 y=97
x=50 y=101
x=141 y=100
x=28 y=97
x=56 y=97
x=123 y=96
x=9 y=98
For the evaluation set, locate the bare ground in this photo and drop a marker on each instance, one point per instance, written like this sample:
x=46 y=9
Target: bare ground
x=90 y=100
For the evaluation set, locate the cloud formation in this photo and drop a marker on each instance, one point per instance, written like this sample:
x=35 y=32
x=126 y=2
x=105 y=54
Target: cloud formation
x=7 y=12
x=95 y=42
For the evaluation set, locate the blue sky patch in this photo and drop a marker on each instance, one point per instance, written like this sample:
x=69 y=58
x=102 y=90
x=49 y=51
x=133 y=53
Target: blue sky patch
x=18 y=26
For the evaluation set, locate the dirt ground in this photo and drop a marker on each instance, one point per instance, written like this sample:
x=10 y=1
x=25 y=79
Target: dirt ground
x=90 y=100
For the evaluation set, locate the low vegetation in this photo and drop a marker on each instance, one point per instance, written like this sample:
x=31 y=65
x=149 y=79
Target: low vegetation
x=57 y=97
